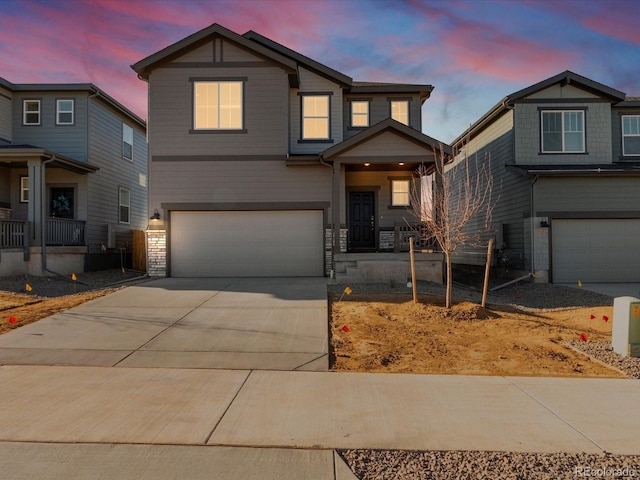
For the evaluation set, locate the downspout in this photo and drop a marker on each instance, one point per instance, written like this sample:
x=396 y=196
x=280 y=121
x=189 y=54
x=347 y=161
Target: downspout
x=332 y=268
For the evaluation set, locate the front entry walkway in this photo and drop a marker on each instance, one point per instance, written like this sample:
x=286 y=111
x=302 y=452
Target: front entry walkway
x=223 y=323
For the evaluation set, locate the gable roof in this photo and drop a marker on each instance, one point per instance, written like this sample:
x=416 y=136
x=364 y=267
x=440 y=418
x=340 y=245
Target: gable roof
x=565 y=78
x=388 y=125
x=148 y=64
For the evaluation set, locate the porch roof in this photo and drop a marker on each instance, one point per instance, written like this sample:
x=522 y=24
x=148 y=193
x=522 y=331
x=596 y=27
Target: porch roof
x=17 y=155
x=389 y=125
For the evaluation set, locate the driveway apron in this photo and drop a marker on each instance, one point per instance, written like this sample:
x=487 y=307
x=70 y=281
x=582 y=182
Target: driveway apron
x=226 y=323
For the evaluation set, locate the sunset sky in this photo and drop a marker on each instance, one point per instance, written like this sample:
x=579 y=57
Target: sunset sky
x=474 y=52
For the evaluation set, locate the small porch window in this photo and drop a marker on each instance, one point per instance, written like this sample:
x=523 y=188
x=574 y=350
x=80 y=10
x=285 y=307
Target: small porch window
x=124 y=202
x=400 y=193
x=62 y=202
x=24 y=189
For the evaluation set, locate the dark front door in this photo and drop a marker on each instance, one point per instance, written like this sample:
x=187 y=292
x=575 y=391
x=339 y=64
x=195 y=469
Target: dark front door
x=362 y=218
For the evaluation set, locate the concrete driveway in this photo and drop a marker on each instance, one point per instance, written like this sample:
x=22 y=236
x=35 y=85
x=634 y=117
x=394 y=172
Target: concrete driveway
x=254 y=323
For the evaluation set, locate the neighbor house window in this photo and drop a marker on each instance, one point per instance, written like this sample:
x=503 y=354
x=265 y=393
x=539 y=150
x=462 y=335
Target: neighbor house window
x=400 y=111
x=31 y=112
x=124 y=202
x=64 y=112
x=400 y=193
x=315 y=117
x=359 y=113
x=217 y=105
x=563 y=131
x=127 y=141
x=631 y=135
x=24 y=189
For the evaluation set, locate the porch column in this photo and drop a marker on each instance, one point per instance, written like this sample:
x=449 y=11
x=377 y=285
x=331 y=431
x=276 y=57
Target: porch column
x=36 y=200
x=335 y=212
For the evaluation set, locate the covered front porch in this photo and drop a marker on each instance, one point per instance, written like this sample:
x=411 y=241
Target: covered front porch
x=42 y=211
x=375 y=182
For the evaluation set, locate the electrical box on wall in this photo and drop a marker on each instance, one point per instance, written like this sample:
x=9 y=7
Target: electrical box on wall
x=625 y=335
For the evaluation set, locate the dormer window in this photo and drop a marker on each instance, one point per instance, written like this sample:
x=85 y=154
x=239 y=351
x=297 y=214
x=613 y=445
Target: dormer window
x=562 y=131
x=631 y=135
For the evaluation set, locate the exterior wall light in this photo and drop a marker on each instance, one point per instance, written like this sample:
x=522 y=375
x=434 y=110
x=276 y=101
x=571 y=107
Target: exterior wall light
x=155 y=216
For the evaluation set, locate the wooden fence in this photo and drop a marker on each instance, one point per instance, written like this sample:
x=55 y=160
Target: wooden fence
x=139 y=251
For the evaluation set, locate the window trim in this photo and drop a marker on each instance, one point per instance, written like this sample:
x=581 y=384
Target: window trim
x=622 y=117
x=24 y=112
x=562 y=111
x=72 y=112
x=407 y=101
x=302 y=138
x=242 y=81
x=392 y=182
x=121 y=205
x=367 y=114
x=126 y=126
x=24 y=198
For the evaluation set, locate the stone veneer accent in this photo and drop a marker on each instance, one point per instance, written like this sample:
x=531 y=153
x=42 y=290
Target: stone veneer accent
x=328 y=235
x=157 y=253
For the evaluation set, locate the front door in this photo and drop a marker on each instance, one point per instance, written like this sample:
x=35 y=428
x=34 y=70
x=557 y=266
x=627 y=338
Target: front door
x=362 y=222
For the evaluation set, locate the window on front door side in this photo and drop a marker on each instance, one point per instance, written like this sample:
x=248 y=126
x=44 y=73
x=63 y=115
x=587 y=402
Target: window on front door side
x=400 y=111
x=217 y=105
x=631 y=135
x=400 y=193
x=563 y=131
x=315 y=117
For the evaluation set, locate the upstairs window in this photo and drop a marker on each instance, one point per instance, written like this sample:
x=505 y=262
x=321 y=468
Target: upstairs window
x=359 y=113
x=127 y=141
x=563 y=131
x=631 y=135
x=400 y=193
x=315 y=117
x=400 y=111
x=217 y=105
x=124 y=205
x=31 y=112
x=64 y=112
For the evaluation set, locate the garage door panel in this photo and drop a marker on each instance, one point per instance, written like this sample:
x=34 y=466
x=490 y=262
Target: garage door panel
x=247 y=243
x=596 y=250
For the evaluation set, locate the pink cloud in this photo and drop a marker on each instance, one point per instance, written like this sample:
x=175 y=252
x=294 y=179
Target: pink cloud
x=622 y=27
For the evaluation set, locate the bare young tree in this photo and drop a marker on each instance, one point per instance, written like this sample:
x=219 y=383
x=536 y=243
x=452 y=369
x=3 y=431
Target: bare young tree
x=443 y=209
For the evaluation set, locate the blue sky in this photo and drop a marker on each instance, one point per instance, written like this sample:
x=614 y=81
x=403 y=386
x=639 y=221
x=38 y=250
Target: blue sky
x=474 y=52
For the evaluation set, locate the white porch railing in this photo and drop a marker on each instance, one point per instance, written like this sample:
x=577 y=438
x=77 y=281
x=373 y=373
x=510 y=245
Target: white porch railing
x=64 y=232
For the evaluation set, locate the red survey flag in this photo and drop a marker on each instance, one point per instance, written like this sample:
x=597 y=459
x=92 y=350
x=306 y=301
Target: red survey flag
x=584 y=337
x=605 y=318
x=346 y=329
x=13 y=319
x=592 y=316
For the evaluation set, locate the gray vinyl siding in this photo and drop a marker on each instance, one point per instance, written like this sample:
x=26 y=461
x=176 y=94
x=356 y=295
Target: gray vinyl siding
x=578 y=195
x=5 y=185
x=266 y=94
x=5 y=116
x=379 y=110
x=312 y=83
x=105 y=147
x=510 y=195
x=598 y=134
x=68 y=140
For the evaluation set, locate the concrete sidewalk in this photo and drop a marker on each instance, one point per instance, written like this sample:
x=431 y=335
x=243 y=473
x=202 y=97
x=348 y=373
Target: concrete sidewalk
x=300 y=417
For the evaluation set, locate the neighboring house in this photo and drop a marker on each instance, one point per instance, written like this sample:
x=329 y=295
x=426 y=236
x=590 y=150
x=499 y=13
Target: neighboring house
x=73 y=177
x=264 y=162
x=565 y=157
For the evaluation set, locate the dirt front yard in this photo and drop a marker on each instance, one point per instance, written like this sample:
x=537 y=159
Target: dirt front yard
x=389 y=333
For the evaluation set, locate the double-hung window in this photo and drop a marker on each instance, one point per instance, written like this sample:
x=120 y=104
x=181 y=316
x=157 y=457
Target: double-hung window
x=563 y=131
x=64 y=112
x=31 y=112
x=124 y=205
x=218 y=105
x=631 y=135
x=24 y=189
x=127 y=142
x=400 y=193
x=359 y=113
x=315 y=117
x=400 y=111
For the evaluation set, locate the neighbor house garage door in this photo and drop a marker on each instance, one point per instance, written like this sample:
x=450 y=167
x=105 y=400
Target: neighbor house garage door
x=596 y=250
x=247 y=243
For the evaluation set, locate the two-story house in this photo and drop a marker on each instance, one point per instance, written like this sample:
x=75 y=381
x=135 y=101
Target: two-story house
x=264 y=162
x=73 y=178
x=565 y=157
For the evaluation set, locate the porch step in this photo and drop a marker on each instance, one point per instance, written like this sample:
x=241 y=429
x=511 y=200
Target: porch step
x=375 y=271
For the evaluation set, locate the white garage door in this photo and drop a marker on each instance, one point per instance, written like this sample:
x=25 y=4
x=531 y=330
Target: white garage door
x=247 y=243
x=596 y=250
